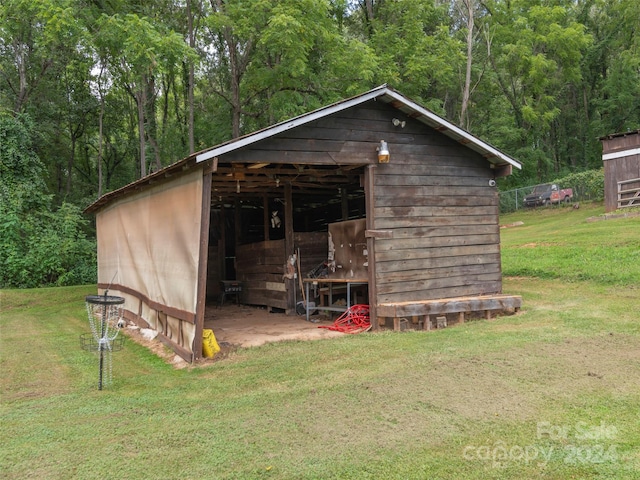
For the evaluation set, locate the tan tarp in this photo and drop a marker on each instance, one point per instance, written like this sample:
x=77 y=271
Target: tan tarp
x=149 y=243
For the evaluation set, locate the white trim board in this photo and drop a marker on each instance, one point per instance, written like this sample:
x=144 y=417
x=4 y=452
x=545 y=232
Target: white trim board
x=621 y=153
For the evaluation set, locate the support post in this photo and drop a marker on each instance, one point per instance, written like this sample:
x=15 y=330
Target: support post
x=369 y=195
x=203 y=262
x=289 y=246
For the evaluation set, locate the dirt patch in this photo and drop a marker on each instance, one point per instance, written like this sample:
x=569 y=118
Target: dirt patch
x=242 y=326
x=246 y=326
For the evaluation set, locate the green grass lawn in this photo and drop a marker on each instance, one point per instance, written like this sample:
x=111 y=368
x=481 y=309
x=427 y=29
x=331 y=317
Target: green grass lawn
x=552 y=392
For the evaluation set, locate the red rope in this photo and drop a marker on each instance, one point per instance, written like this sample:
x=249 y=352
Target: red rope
x=354 y=320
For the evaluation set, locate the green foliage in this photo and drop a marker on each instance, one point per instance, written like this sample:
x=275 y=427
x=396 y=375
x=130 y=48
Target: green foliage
x=587 y=185
x=39 y=245
x=416 y=50
x=548 y=78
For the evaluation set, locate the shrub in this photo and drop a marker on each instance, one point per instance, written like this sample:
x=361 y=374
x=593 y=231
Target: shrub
x=39 y=245
x=587 y=185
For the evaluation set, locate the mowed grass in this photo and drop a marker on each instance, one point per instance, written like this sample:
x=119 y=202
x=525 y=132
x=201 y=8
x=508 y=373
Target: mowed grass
x=552 y=392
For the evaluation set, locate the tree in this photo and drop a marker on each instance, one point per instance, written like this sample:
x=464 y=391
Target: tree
x=536 y=56
x=136 y=52
x=39 y=245
x=415 y=48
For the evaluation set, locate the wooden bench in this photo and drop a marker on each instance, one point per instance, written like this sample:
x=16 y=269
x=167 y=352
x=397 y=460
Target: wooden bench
x=423 y=312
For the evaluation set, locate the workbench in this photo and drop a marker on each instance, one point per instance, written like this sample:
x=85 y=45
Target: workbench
x=330 y=282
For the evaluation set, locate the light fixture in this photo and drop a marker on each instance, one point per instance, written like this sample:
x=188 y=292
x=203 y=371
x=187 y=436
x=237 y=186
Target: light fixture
x=398 y=123
x=383 y=152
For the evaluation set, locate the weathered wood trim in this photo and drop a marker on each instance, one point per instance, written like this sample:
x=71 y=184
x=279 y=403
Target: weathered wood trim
x=436 y=211
x=426 y=284
x=266 y=216
x=369 y=193
x=503 y=171
x=289 y=246
x=470 y=290
x=437 y=261
x=159 y=307
x=203 y=262
x=451 y=305
x=135 y=318
x=378 y=233
x=179 y=350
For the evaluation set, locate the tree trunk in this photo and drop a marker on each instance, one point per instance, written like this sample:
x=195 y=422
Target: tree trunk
x=464 y=108
x=140 y=100
x=100 y=136
x=192 y=44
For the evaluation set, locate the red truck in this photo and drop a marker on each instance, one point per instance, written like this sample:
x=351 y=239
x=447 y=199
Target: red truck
x=547 y=194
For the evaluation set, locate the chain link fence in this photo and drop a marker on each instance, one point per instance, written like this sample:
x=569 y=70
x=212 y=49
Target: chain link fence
x=587 y=186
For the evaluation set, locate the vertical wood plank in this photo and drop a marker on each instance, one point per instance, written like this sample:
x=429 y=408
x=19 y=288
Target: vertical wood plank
x=289 y=245
x=237 y=216
x=369 y=195
x=222 y=249
x=265 y=216
x=203 y=261
x=345 y=204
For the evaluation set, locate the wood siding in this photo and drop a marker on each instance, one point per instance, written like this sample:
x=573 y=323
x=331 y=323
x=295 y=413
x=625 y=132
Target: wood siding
x=434 y=195
x=625 y=167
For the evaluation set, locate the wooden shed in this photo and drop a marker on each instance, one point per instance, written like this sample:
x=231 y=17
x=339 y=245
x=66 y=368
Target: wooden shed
x=621 y=158
x=375 y=195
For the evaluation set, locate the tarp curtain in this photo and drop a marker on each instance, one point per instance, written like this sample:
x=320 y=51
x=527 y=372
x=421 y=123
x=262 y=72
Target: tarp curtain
x=149 y=242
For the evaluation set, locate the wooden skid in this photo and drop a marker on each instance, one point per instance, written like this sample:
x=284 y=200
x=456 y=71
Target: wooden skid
x=450 y=305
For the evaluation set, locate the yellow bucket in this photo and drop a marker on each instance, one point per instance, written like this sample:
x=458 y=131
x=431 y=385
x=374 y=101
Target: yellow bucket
x=209 y=343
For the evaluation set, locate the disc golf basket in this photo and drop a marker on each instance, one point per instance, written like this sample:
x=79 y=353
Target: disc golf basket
x=104 y=314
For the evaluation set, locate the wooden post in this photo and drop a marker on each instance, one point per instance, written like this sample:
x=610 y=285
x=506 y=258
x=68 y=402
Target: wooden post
x=369 y=195
x=289 y=246
x=203 y=262
x=222 y=244
x=345 y=204
x=237 y=217
x=266 y=217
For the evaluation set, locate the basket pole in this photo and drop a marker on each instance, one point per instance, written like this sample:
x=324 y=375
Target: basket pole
x=101 y=343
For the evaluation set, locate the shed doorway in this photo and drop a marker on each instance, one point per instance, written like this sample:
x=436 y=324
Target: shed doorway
x=260 y=217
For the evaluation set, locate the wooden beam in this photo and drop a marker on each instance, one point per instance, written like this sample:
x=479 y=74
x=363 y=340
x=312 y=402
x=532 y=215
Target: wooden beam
x=181 y=351
x=222 y=243
x=443 y=306
x=502 y=170
x=174 y=312
x=237 y=220
x=289 y=245
x=344 y=197
x=203 y=262
x=369 y=193
x=266 y=218
x=378 y=233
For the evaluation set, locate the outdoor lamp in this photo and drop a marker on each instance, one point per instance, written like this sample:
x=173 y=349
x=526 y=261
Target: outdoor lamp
x=383 y=152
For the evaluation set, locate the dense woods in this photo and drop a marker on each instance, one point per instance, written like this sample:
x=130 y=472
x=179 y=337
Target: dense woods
x=97 y=93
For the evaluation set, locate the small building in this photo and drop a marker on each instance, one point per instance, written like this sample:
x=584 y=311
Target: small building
x=621 y=158
x=374 y=195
